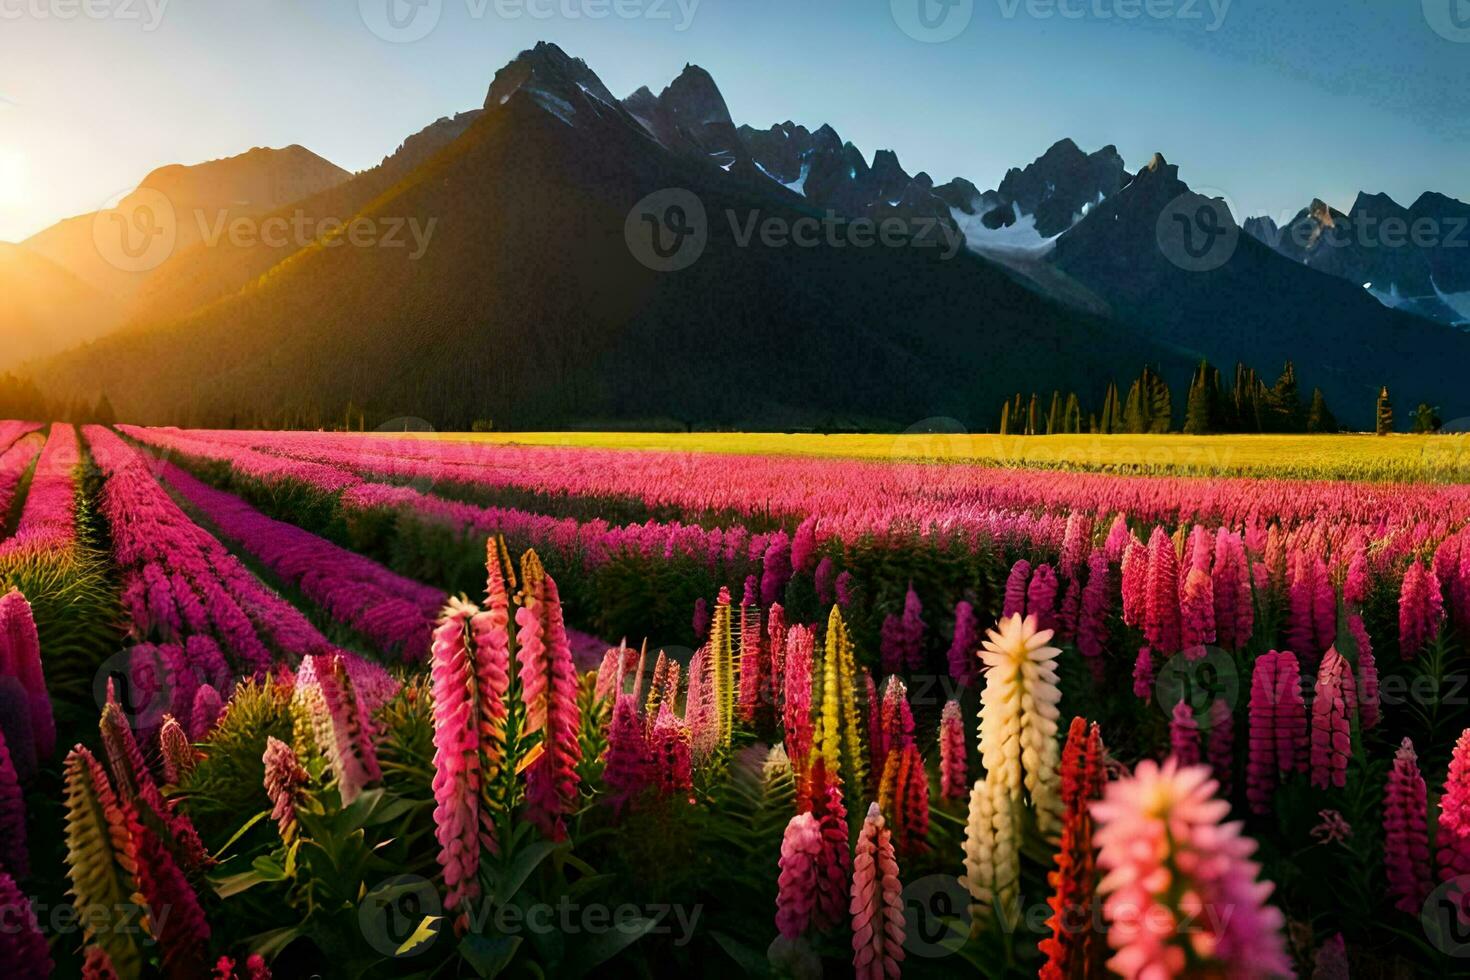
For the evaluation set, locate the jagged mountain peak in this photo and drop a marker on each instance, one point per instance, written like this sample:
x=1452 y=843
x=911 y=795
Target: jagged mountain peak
x=1157 y=164
x=689 y=117
x=549 y=73
x=1379 y=205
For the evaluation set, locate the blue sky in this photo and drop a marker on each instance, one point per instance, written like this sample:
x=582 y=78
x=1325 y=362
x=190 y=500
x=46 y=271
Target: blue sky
x=1278 y=103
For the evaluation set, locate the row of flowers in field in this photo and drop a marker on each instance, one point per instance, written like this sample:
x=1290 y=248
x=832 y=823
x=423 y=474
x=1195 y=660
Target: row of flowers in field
x=513 y=726
x=47 y=524
x=520 y=742
x=855 y=497
x=1381 y=530
x=393 y=613
x=12 y=431
x=199 y=617
x=15 y=462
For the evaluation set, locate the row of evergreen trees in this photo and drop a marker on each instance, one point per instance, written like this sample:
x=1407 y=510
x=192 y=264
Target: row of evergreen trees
x=1212 y=406
x=20 y=398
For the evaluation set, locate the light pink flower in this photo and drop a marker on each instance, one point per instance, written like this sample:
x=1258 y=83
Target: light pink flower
x=1170 y=860
x=877 y=903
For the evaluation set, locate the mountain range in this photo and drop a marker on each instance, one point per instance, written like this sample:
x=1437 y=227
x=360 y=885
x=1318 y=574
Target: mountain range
x=1415 y=259
x=527 y=306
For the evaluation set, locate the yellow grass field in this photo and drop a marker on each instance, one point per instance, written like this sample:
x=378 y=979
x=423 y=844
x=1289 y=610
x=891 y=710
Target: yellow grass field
x=1441 y=459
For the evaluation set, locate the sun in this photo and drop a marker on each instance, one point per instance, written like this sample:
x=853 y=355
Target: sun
x=14 y=177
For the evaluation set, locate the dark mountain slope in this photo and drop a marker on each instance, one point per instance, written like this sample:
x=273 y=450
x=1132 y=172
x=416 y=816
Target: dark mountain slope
x=1239 y=299
x=529 y=309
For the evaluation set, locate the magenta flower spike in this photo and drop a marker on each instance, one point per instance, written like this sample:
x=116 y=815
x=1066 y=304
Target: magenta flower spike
x=1332 y=705
x=1406 y=832
x=1161 y=595
x=20 y=657
x=796 y=886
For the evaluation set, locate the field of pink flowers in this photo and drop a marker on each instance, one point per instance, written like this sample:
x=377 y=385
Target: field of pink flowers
x=331 y=704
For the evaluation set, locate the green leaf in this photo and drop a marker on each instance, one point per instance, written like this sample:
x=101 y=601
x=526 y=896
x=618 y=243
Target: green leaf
x=424 y=933
x=235 y=884
x=752 y=963
x=268 y=869
x=598 y=949
x=241 y=832
x=524 y=863
x=268 y=944
x=489 y=956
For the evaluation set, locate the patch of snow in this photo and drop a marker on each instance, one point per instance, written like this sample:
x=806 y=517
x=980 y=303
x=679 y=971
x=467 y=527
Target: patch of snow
x=1459 y=302
x=592 y=93
x=555 y=104
x=1021 y=237
x=799 y=184
x=1390 y=298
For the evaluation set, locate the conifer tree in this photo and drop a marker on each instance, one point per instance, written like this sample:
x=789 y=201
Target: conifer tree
x=1005 y=418
x=1197 y=406
x=1384 y=416
x=1054 y=414
x=1133 y=413
x=1320 y=418
x=1104 y=422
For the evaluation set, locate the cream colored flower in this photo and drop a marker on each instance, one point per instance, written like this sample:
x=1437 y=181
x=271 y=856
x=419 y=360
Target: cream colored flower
x=1018 y=716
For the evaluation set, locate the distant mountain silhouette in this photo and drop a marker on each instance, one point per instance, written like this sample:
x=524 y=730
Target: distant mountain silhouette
x=529 y=307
